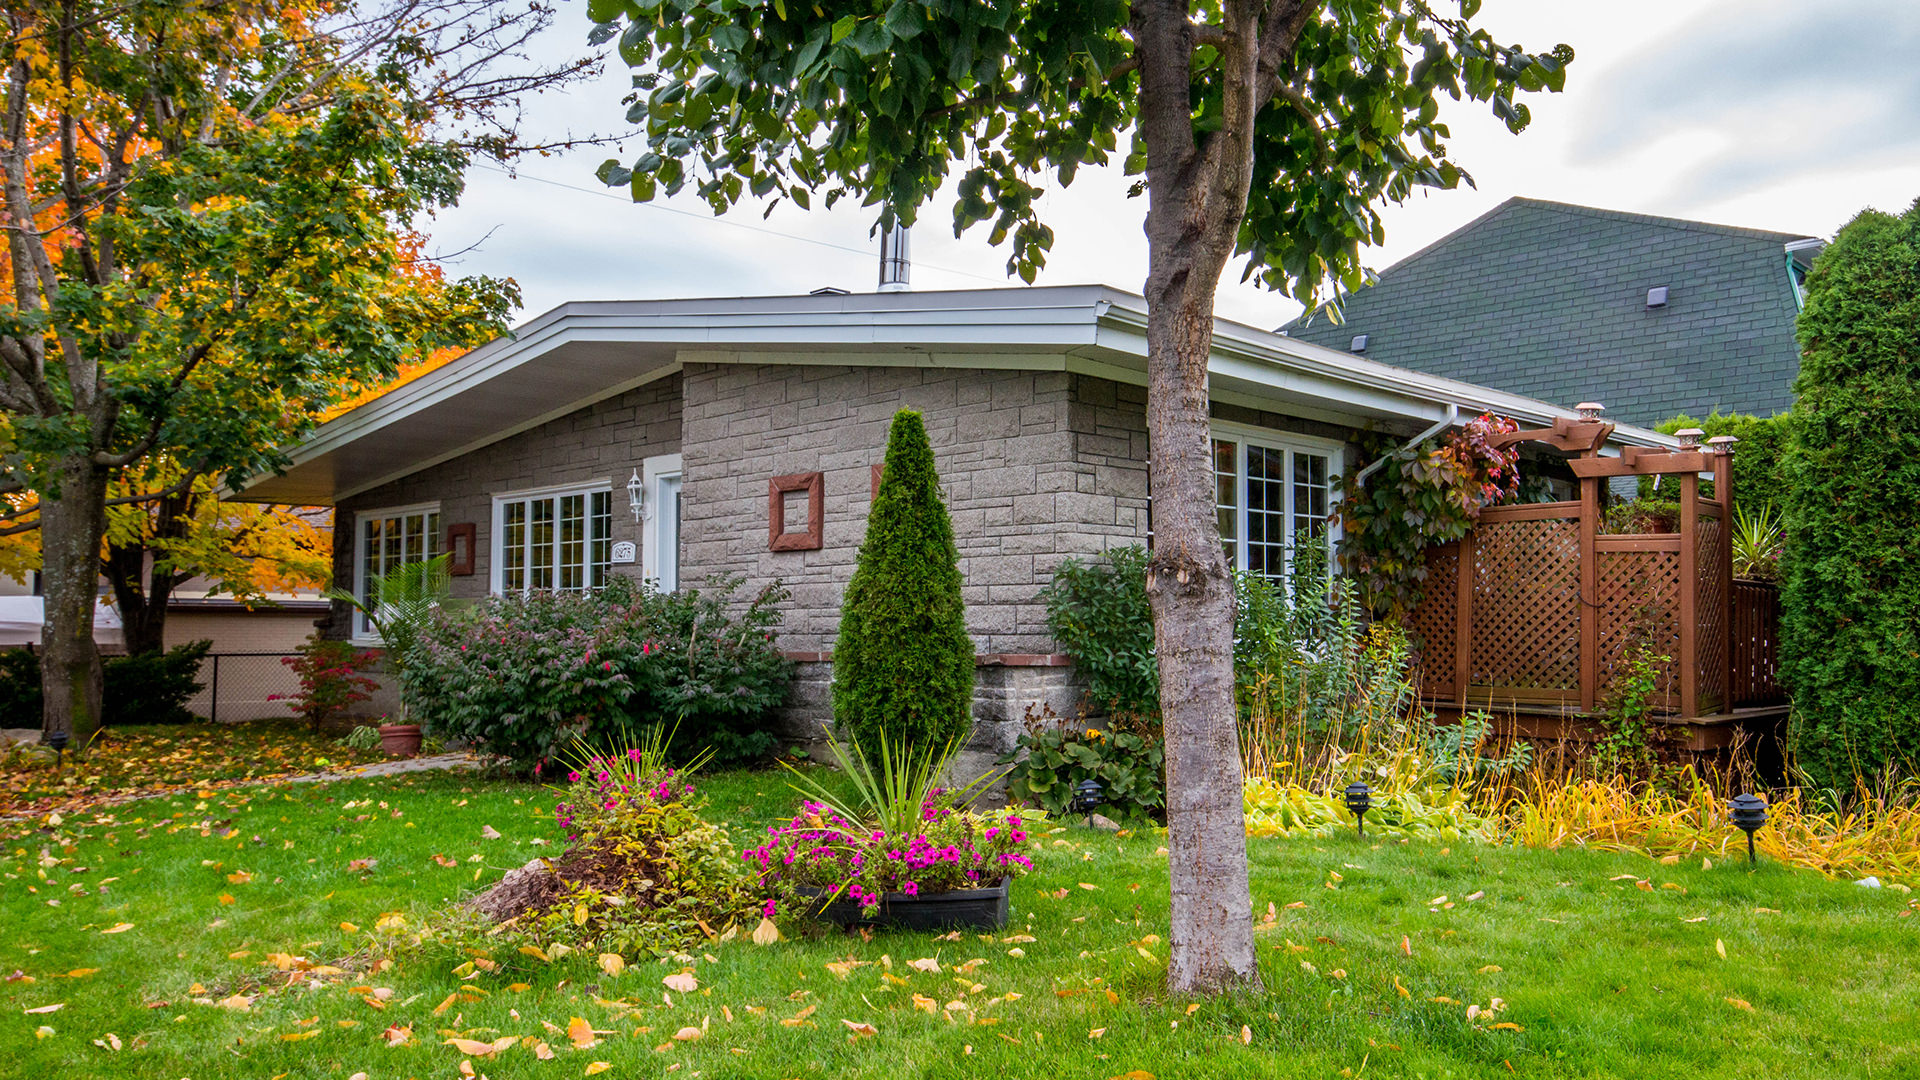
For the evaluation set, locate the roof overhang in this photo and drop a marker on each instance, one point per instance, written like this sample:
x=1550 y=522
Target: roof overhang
x=581 y=353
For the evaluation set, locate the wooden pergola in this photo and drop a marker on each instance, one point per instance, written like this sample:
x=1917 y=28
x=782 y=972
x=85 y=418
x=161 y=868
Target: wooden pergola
x=1534 y=611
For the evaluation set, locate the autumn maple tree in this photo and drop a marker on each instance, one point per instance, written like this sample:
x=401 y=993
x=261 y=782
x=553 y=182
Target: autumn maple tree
x=1272 y=129
x=207 y=208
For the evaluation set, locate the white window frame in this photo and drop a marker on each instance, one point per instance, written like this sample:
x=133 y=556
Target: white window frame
x=363 y=631
x=652 y=471
x=1290 y=443
x=495 y=546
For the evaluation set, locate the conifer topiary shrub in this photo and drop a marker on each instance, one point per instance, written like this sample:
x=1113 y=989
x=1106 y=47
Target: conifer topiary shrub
x=1850 y=649
x=903 y=664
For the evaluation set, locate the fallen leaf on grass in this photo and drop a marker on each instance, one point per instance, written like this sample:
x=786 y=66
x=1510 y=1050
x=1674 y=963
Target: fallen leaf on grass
x=1096 y=1033
x=612 y=963
x=398 y=1035
x=1246 y=1035
x=240 y=877
x=925 y=1004
x=1720 y=947
x=45 y=1009
x=296 y=1036
x=488 y=832
x=860 y=1031
x=682 y=981
x=688 y=1034
x=766 y=933
x=1506 y=1025
x=928 y=964
x=597 y=1067
x=112 y=1042
x=1739 y=1004
x=1489 y=969
x=118 y=928
x=1401 y=990
x=581 y=1033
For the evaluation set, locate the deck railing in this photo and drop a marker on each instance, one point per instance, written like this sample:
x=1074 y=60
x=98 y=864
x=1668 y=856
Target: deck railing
x=1756 y=643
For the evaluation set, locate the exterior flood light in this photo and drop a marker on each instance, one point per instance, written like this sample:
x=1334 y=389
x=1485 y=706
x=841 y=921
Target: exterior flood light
x=1359 y=801
x=1749 y=814
x=1087 y=795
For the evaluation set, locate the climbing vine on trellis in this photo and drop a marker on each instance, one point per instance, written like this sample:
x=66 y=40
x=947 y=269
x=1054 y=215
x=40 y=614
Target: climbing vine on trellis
x=1422 y=495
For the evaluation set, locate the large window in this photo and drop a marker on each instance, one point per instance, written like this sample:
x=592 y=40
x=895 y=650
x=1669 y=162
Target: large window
x=553 y=539
x=1267 y=489
x=386 y=541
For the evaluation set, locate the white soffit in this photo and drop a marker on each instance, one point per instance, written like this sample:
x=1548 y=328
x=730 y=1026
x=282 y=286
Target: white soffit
x=580 y=353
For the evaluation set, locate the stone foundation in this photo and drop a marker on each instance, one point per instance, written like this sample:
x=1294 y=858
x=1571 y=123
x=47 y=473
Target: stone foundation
x=1005 y=687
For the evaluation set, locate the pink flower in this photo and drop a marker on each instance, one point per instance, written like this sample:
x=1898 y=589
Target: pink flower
x=768 y=910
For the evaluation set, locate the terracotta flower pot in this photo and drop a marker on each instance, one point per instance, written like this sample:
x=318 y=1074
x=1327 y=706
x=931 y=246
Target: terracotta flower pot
x=400 y=740
x=964 y=909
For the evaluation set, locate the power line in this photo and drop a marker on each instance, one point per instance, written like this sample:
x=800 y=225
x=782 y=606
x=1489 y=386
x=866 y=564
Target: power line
x=715 y=220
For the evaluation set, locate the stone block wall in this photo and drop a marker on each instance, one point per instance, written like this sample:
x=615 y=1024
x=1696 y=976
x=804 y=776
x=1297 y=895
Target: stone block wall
x=1020 y=499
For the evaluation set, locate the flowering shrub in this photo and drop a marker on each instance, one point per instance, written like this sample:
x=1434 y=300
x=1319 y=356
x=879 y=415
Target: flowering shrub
x=1423 y=495
x=524 y=675
x=330 y=679
x=951 y=849
x=642 y=871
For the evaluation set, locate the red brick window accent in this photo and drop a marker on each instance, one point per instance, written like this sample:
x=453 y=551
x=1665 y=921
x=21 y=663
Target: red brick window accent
x=796 y=512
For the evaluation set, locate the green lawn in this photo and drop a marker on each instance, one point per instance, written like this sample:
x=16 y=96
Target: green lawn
x=1602 y=977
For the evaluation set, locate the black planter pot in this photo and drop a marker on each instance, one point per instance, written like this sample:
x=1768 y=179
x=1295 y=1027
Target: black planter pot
x=961 y=909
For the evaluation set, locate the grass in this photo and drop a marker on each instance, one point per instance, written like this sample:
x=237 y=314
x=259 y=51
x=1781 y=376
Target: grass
x=1602 y=977
x=157 y=758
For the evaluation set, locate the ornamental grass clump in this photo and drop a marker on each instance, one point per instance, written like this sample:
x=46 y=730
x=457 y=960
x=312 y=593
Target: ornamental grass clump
x=642 y=870
x=908 y=836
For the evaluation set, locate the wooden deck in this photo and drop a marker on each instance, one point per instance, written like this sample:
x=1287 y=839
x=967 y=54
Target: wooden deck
x=1550 y=723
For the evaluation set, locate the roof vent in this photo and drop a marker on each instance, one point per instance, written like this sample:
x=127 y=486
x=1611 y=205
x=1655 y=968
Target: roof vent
x=1657 y=296
x=894 y=267
x=1358 y=344
x=828 y=290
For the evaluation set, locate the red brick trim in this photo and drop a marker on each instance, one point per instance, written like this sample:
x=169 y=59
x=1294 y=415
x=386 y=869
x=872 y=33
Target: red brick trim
x=814 y=538
x=982 y=660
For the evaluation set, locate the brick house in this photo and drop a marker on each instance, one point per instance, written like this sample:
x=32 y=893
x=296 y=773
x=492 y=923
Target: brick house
x=752 y=429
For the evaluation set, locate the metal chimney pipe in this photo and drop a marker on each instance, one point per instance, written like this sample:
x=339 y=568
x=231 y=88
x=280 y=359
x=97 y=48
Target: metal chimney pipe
x=895 y=266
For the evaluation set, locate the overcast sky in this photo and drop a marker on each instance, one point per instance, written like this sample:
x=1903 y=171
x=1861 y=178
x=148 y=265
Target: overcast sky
x=1773 y=114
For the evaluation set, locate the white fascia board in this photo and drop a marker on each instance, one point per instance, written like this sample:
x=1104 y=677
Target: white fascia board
x=1279 y=361
x=978 y=320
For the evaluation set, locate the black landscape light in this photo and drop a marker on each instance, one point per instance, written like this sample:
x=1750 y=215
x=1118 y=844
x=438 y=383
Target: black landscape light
x=1087 y=795
x=1359 y=801
x=58 y=740
x=1749 y=813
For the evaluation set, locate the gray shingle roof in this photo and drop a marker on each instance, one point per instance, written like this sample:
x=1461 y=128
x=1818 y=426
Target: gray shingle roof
x=1549 y=300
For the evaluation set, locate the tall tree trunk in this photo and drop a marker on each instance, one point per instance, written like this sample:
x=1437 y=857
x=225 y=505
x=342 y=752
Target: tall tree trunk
x=72 y=525
x=1193 y=217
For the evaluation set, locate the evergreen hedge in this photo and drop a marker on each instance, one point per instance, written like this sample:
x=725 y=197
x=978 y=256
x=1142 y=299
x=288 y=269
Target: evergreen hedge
x=903 y=663
x=1851 y=573
x=1756 y=457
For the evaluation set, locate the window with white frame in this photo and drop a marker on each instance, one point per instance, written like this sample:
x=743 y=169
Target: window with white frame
x=1268 y=488
x=386 y=540
x=558 y=539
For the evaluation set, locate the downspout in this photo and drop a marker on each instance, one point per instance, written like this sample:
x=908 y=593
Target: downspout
x=1445 y=422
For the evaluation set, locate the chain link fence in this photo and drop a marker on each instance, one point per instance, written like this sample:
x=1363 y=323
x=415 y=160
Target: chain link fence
x=239 y=685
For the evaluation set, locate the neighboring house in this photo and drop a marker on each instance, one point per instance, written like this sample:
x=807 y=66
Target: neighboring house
x=750 y=431
x=1650 y=316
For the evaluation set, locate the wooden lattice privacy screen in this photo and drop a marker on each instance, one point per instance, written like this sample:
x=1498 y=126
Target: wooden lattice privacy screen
x=1536 y=607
